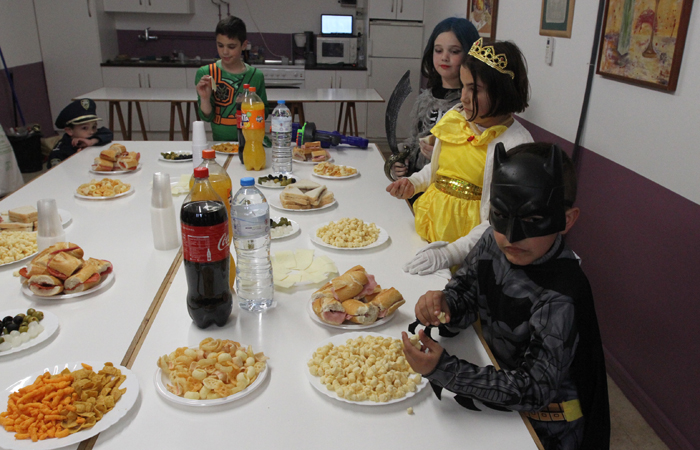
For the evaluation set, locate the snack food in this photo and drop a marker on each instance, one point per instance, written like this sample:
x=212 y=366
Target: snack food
x=55 y=406
x=280 y=228
x=23 y=214
x=332 y=170
x=305 y=194
x=15 y=331
x=226 y=147
x=216 y=369
x=16 y=245
x=105 y=187
x=348 y=233
x=276 y=180
x=366 y=368
x=310 y=151
x=116 y=157
x=330 y=303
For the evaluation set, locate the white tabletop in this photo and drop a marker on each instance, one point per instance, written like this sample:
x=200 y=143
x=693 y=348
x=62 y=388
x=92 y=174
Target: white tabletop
x=190 y=95
x=286 y=411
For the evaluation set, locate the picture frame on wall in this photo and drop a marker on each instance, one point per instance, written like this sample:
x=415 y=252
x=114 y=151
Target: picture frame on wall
x=557 y=18
x=483 y=14
x=642 y=41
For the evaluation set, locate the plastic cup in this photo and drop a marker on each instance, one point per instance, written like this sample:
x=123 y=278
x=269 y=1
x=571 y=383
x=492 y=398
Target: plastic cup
x=162 y=196
x=50 y=229
x=199 y=136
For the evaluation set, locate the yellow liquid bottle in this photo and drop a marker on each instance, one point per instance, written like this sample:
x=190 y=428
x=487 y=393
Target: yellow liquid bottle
x=221 y=182
x=253 y=131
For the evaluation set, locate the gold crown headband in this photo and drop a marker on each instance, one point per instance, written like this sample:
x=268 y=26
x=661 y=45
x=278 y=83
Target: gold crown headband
x=489 y=56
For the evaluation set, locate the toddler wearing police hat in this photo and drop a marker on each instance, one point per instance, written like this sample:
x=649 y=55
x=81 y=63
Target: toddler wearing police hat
x=79 y=121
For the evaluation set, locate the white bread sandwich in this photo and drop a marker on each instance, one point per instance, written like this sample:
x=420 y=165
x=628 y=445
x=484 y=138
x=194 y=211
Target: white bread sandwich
x=387 y=302
x=293 y=198
x=23 y=214
x=359 y=312
x=315 y=195
x=84 y=279
x=319 y=155
x=306 y=185
x=62 y=265
x=45 y=285
x=16 y=226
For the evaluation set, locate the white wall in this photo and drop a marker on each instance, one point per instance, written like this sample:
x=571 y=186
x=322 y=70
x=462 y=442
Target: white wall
x=649 y=132
x=20 y=22
x=270 y=16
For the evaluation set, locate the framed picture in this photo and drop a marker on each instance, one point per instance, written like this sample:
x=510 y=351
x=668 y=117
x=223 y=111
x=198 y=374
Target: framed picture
x=642 y=41
x=482 y=13
x=557 y=18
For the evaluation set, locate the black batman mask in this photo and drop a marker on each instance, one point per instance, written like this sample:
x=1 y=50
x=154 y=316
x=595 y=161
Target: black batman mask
x=527 y=194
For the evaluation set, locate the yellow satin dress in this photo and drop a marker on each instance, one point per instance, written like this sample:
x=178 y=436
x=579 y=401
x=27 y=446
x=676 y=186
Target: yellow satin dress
x=449 y=208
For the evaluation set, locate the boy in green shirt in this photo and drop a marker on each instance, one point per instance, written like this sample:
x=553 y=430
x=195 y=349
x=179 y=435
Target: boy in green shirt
x=230 y=73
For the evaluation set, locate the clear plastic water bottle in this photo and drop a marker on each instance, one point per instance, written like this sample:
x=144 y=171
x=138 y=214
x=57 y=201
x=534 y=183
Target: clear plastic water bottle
x=250 y=213
x=281 y=139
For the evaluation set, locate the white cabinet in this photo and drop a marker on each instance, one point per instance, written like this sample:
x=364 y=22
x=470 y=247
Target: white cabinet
x=325 y=115
x=156 y=115
x=74 y=69
x=150 y=6
x=396 y=9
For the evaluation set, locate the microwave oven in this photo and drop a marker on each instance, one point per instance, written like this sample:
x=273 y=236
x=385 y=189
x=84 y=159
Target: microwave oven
x=336 y=50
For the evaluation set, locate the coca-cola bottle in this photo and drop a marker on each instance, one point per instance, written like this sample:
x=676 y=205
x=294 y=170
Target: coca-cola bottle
x=205 y=246
x=239 y=120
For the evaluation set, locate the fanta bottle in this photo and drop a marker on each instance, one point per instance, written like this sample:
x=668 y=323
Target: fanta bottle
x=221 y=182
x=254 y=131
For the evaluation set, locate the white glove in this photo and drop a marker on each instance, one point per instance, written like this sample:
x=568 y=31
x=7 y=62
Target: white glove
x=430 y=258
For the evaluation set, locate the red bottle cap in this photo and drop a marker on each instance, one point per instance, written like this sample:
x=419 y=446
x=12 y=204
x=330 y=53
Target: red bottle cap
x=201 y=172
x=208 y=154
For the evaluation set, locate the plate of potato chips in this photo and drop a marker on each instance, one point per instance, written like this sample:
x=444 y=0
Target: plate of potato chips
x=106 y=188
x=114 y=389
x=226 y=148
x=348 y=234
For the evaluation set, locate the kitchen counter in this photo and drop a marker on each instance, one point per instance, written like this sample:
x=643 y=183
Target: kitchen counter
x=202 y=62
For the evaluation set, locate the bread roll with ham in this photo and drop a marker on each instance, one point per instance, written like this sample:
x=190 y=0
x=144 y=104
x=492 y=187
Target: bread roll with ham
x=387 y=302
x=62 y=265
x=327 y=308
x=359 y=312
x=84 y=279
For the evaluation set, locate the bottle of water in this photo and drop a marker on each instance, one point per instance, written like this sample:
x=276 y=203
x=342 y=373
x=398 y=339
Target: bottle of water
x=250 y=213
x=281 y=139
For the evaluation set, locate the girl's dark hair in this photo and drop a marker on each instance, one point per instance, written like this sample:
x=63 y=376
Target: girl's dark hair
x=466 y=34
x=507 y=95
x=233 y=28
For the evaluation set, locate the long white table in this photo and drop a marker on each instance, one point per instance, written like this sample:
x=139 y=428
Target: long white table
x=133 y=323
x=177 y=96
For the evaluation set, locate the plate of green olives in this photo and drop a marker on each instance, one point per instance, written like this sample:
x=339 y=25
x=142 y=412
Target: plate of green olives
x=275 y=181
x=23 y=329
x=181 y=156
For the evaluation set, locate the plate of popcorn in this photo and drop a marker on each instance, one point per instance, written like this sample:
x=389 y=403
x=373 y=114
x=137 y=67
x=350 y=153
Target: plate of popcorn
x=349 y=234
x=373 y=385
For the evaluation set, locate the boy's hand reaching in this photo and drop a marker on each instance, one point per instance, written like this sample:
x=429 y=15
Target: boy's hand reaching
x=421 y=361
x=204 y=87
x=401 y=189
x=432 y=309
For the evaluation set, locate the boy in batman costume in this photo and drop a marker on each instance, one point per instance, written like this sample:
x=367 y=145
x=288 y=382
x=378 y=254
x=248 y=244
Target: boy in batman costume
x=535 y=306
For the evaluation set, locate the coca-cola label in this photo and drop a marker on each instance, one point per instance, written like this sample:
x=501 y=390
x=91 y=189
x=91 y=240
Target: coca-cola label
x=205 y=244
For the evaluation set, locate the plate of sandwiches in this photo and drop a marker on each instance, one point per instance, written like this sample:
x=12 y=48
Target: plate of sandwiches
x=116 y=159
x=24 y=218
x=60 y=272
x=304 y=195
x=311 y=153
x=354 y=301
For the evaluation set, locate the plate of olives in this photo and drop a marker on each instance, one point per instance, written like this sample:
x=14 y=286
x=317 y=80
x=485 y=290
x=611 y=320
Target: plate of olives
x=275 y=181
x=19 y=332
x=281 y=227
x=182 y=156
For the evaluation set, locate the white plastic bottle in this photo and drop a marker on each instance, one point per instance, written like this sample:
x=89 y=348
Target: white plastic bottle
x=250 y=214
x=281 y=139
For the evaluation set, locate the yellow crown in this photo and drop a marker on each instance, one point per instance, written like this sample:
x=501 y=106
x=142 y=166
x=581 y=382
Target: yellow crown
x=488 y=56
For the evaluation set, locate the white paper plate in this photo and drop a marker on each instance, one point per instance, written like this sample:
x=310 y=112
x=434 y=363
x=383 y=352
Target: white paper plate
x=225 y=153
x=271 y=187
x=123 y=194
x=49 y=322
x=125 y=403
x=346 y=326
x=382 y=238
x=184 y=152
x=299 y=161
x=115 y=172
x=328 y=177
x=275 y=203
x=19 y=260
x=105 y=284
x=340 y=340
x=295 y=228
x=161 y=380
x=66 y=217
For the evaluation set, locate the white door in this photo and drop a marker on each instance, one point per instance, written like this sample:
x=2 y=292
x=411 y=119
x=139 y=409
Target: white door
x=384 y=74
x=353 y=79
x=409 y=10
x=396 y=40
x=383 y=9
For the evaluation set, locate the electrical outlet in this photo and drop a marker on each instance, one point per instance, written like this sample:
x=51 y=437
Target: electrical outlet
x=549 y=51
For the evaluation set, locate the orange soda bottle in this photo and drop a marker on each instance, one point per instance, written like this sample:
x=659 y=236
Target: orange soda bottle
x=254 y=131
x=221 y=182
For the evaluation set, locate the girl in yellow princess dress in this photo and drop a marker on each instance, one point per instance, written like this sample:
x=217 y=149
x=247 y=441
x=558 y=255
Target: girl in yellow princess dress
x=453 y=212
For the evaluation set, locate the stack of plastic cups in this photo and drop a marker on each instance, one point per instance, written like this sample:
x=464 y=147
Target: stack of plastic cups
x=199 y=142
x=163 y=218
x=50 y=229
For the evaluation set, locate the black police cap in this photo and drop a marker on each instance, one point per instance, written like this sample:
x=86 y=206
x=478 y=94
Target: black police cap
x=77 y=112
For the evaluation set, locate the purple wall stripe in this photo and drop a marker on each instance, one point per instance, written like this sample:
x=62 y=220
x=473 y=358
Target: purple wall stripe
x=30 y=85
x=640 y=250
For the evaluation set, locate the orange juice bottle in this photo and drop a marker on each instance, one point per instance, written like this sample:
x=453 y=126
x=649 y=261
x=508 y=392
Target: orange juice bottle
x=254 y=131
x=221 y=183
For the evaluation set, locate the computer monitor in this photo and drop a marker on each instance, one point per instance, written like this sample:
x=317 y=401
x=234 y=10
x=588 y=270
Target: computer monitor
x=336 y=24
